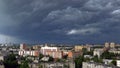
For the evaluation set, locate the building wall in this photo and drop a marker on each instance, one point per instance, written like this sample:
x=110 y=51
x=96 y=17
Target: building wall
x=96 y=65
x=46 y=49
x=118 y=63
x=2 y=58
x=23 y=46
x=97 y=52
x=78 y=48
x=31 y=53
x=55 y=54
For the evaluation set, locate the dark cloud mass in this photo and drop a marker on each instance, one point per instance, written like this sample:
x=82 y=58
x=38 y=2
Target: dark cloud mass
x=60 y=21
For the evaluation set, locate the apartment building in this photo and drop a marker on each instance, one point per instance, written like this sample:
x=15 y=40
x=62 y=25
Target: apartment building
x=96 y=65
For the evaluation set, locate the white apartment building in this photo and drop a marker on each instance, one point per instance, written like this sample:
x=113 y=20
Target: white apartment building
x=30 y=53
x=118 y=63
x=45 y=49
x=98 y=52
x=96 y=65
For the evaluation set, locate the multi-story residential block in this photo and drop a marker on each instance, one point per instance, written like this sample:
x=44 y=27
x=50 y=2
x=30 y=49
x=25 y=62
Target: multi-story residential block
x=55 y=54
x=96 y=65
x=98 y=52
x=2 y=58
x=78 y=48
x=118 y=63
x=46 y=49
x=107 y=45
x=36 y=47
x=52 y=51
x=110 y=45
x=115 y=51
x=72 y=54
x=107 y=61
x=23 y=46
x=30 y=53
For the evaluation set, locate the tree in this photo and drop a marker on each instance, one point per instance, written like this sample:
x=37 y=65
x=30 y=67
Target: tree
x=107 y=55
x=114 y=62
x=84 y=50
x=11 y=61
x=51 y=59
x=78 y=62
x=24 y=64
x=96 y=59
x=41 y=56
x=40 y=66
x=87 y=59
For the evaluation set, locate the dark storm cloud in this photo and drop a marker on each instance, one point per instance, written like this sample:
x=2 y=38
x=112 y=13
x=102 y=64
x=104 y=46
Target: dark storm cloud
x=79 y=21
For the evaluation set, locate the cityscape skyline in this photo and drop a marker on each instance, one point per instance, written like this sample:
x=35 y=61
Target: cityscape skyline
x=60 y=21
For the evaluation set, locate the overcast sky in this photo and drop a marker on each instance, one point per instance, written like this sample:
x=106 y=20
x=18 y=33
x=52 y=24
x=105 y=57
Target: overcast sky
x=60 y=21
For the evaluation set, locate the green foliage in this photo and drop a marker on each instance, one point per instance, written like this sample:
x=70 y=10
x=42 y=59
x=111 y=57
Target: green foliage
x=96 y=59
x=66 y=66
x=88 y=53
x=51 y=59
x=11 y=61
x=85 y=52
x=107 y=55
x=78 y=62
x=24 y=64
x=114 y=62
x=41 y=56
x=87 y=59
x=40 y=66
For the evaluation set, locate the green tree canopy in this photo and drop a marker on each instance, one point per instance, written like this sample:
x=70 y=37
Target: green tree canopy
x=24 y=64
x=114 y=62
x=11 y=61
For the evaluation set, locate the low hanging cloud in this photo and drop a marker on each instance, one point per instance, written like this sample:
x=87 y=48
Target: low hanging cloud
x=116 y=11
x=86 y=31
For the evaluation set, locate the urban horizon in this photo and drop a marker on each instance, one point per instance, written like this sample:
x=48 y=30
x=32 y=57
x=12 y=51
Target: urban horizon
x=60 y=21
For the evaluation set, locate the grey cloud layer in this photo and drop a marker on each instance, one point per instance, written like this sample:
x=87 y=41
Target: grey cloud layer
x=67 y=20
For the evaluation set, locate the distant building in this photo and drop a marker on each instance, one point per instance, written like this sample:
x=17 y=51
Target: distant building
x=112 y=45
x=46 y=49
x=52 y=51
x=98 y=52
x=30 y=53
x=107 y=61
x=107 y=45
x=55 y=54
x=118 y=63
x=78 y=48
x=23 y=46
x=96 y=65
x=88 y=56
x=45 y=58
x=74 y=54
x=115 y=51
x=54 y=65
x=2 y=58
x=36 y=47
